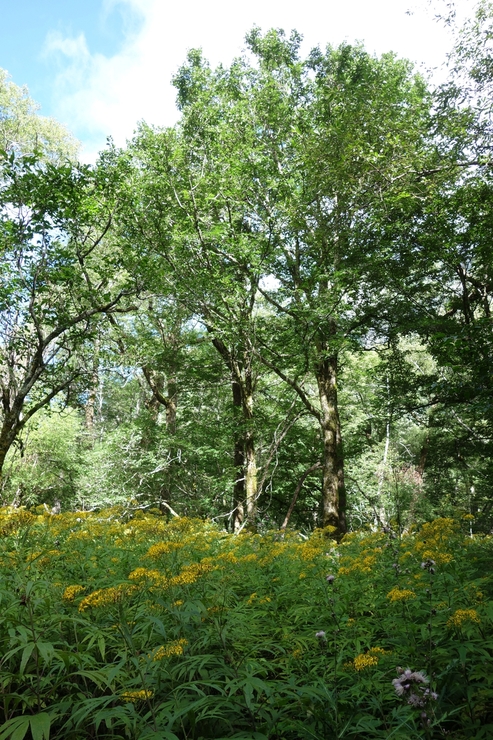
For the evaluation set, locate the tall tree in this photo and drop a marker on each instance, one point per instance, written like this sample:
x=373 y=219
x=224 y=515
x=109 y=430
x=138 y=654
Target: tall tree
x=23 y=130
x=59 y=276
x=189 y=214
x=296 y=164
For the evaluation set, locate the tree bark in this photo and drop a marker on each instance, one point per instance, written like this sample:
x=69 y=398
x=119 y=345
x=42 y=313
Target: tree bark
x=167 y=399
x=333 y=488
x=239 y=486
x=90 y=408
x=244 y=456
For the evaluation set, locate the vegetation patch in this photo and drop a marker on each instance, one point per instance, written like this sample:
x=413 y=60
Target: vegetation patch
x=120 y=625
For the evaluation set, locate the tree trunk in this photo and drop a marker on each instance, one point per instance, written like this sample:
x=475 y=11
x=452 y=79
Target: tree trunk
x=7 y=438
x=333 y=488
x=244 y=457
x=166 y=398
x=89 y=411
x=171 y=406
x=250 y=476
x=238 y=460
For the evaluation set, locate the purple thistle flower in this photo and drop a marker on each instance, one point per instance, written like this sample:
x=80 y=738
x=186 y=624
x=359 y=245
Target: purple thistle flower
x=330 y=578
x=406 y=680
x=320 y=635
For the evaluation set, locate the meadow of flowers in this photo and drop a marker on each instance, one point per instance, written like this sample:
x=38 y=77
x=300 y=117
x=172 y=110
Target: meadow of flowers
x=124 y=625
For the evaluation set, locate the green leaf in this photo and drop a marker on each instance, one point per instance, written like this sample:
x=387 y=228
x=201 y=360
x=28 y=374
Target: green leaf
x=46 y=651
x=26 y=654
x=40 y=726
x=102 y=646
x=15 y=729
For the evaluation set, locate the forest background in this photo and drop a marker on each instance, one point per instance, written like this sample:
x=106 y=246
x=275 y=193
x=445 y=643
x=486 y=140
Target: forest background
x=276 y=311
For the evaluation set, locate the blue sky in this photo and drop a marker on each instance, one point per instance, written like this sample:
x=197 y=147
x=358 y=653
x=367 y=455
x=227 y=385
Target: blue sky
x=26 y=25
x=100 y=66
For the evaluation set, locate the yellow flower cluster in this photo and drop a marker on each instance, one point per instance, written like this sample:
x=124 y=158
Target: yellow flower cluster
x=435 y=540
x=134 y=696
x=277 y=549
x=366 y=660
x=172 y=648
x=230 y=557
x=71 y=592
x=107 y=596
x=163 y=548
x=13 y=519
x=146 y=574
x=190 y=573
x=187 y=576
x=361 y=564
x=463 y=615
x=400 y=594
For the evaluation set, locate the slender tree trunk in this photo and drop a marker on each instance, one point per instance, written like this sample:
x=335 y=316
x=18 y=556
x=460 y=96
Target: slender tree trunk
x=250 y=466
x=239 y=487
x=333 y=488
x=245 y=462
x=171 y=406
x=305 y=475
x=168 y=400
x=244 y=458
x=89 y=411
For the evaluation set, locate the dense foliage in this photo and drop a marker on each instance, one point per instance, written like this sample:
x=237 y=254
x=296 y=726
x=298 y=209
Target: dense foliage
x=246 y=407
x=123 y=625
x=277 y=310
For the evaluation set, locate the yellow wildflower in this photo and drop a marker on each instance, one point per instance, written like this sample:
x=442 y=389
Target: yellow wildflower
x=149 y=576
x=190 y=573
x=364 y=660
x=370 y=658
x=172 y=648
x=463 y=615
x=71 y=592
x=400 y=594
x=163 y=548
x=106 y=596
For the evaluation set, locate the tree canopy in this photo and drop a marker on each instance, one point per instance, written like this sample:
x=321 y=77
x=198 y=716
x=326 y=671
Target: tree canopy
x=278 y=309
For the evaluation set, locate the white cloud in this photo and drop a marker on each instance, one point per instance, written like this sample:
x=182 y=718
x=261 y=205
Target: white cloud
x=98 y=96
